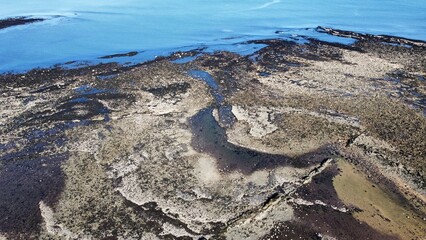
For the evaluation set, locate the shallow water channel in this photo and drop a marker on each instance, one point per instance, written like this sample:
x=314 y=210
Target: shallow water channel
x=209 y=136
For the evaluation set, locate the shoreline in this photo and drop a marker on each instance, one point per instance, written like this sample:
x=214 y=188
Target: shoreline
x=120 y=144
x=138 y=57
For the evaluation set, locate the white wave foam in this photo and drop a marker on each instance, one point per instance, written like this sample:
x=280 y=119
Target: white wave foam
x=258 y=7
x=267 y=4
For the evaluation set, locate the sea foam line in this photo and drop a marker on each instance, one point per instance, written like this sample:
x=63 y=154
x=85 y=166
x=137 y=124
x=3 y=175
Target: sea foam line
x=259 y=7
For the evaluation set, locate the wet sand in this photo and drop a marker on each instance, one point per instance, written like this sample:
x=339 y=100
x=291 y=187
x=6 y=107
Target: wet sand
x=295 y=141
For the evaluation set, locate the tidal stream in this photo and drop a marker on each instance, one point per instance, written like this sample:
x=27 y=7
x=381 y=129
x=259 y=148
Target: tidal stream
x=209 y=136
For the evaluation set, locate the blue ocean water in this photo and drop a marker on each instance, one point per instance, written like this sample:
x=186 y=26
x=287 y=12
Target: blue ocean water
x=84 y=30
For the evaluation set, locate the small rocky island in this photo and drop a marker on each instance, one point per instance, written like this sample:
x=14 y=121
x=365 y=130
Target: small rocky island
x=312 y=140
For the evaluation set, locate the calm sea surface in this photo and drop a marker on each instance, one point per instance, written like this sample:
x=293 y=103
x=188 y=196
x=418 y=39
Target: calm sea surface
x=84 y=30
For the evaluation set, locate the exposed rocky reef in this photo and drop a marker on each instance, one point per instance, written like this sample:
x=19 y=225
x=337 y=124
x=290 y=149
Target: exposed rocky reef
x=295 y=141
x=15 y=21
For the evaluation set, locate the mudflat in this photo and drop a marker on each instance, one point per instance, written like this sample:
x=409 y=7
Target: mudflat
x=295 y=141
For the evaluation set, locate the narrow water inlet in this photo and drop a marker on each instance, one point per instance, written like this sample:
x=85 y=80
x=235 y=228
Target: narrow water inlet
x=207 y=78
x=226 y=117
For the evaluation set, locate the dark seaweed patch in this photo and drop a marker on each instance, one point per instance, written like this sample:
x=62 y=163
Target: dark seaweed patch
x=10 y=22
x=23 y=184
x=129 y=54
x=79 y=110
x=172 y=89
x=371 y=37
x=277 y=55
x=49 y=88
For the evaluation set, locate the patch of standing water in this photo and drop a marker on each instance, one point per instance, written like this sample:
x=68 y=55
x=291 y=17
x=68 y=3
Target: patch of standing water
x=185 y=59
x=106 y=76
x=302 y=36
x=397 y=44
x=79 y=100
x=242 y=48
x=205 y=77
x=209 y=136
x=88 y=90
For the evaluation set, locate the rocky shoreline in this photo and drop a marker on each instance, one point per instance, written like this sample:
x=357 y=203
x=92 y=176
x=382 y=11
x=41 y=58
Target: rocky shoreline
x=16 y=21
x=313 y=141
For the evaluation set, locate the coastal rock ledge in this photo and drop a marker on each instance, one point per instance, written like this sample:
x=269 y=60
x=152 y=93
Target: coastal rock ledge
x=295 y=141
